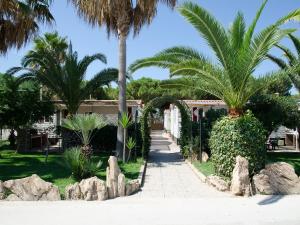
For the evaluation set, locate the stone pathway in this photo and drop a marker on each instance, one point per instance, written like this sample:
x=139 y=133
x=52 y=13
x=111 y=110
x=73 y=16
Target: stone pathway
x=168 y=176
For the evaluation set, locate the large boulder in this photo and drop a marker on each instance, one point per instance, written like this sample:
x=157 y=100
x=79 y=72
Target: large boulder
x=32 y=188
x=93 y=189
x=73 y=192
x=132 y=186
x=277 y=178
x=240 y=182
x=2 y=191
x=112 y=174
x=218 y=183
x=205 y=157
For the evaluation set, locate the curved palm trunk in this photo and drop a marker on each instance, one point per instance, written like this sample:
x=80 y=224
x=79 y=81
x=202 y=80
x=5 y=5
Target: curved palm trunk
x=122 y=91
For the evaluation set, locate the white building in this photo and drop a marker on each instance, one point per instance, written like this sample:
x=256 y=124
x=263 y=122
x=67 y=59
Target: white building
x=172 y=117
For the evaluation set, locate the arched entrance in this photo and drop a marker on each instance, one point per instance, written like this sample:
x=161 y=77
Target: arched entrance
x=159 y=102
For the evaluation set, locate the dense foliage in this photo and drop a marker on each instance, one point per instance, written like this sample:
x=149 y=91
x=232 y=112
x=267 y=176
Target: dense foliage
x=274 y=111
x=147 y=89
x=230 y=137
x=21 y=103
x=211 y=116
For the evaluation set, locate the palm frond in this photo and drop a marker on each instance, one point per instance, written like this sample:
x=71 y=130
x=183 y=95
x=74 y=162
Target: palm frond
x=210 y=29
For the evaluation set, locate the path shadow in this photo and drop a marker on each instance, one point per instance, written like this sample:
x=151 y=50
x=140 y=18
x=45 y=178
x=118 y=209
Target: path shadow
x=270 y=200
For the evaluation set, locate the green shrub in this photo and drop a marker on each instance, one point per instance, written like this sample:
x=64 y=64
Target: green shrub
x=230 y=137
x=80 y=166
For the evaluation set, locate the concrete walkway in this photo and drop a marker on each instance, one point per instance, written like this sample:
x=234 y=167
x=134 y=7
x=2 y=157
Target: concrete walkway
x=168 y=176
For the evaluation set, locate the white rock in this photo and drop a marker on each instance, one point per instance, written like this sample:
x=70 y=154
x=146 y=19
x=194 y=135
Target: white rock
x=240 y=183
x=73 y=192
x=277 y=178
x=33 y=188
x=132 y=187
x=121 y=185
x=112 y=173
x=2 y=191
x=218 y=183
x=205 y=157
x=13 y=197
x=93 y=189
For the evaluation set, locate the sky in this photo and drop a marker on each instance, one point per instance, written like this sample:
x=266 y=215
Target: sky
x=168 y=29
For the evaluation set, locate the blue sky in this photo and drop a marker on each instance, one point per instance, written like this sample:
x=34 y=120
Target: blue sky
x=168 y=29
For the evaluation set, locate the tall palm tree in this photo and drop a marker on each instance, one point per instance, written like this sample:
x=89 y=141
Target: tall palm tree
x=67 y=79
x=52 y=43
x=293 y=59
x=19 y=21
x=119 y=17
x=238 y=51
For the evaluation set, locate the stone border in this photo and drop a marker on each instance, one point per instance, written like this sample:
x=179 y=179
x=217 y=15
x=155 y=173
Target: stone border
x=199 y=174
x=142 y=173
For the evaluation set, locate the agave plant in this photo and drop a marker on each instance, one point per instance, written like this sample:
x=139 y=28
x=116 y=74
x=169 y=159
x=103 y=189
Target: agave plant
x=130 y=145
x=239 y=51
x=83 y=126
x=125 y=122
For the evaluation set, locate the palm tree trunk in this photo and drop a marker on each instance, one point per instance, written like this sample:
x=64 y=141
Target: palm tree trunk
x=122 y=91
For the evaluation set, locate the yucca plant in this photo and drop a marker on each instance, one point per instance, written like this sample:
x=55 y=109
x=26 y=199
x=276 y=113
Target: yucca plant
x=80 y=166
x=292 y=59
x=125 y=122
x=83 y=126
x=239 y=51
x=130 y=145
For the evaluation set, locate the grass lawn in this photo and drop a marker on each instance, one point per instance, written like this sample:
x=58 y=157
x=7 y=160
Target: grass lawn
x=206 y=168
x=291 y=158
x=14 y=166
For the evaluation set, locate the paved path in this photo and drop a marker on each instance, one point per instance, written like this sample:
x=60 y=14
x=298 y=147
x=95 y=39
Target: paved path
x=168 y=176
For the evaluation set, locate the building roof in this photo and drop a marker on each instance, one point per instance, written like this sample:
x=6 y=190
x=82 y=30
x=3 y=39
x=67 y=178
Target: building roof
x=101 y=103
x=204 y=102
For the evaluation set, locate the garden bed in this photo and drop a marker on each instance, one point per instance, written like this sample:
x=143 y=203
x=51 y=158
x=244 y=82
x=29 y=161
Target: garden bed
x=14 y=165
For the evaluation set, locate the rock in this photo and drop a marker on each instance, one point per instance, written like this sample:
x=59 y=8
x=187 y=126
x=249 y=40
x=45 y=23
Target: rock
x=277 y=178
x=112 y=173
x=73 y=192
x=33 y=188
x=2 y=191
x=205 y=157
x=121 y=185
x=240 y=183
x=93 y=189
x=13 y=197
x=132 y=186
x=218 y=183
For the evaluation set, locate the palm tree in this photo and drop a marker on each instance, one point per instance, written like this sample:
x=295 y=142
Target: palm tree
x=293 y=59
x=119 y=16
x=19 y=21
x=67 y=79
x=238 y=51
x=52 y=43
